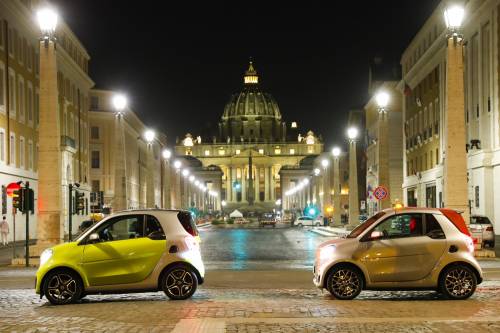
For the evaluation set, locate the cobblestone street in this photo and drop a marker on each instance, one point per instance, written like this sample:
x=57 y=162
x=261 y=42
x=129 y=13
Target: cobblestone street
x=241 y=310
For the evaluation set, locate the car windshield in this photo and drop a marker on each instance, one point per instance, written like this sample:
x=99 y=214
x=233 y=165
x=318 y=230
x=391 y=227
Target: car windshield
x=480 y=220
x=362 y=227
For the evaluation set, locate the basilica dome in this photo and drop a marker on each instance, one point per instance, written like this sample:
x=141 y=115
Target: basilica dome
x=251 y=114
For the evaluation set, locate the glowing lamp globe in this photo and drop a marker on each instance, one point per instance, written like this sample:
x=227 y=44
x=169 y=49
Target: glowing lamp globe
x=47 y=20
x=119 y=102
x=352 y=133
x=453 y=17
x=382 y=99
x=336 y=151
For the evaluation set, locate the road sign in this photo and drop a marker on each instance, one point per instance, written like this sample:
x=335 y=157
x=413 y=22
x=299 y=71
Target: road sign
x=11 y=188
x=380 y=193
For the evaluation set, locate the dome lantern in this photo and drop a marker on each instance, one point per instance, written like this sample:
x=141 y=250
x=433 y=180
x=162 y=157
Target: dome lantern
x=251 y=76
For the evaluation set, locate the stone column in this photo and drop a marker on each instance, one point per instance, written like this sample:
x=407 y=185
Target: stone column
x=455 y=156
x=353 y=185
x=383 y=158
x=233 y=178
x=120 y=173
x=267 y=186
x=337 y=211
x=272 y=184
x=229 y=184
x=243 y=184
x=49 y=225
x=150 y=199
x=257 y=184
x=327 y=190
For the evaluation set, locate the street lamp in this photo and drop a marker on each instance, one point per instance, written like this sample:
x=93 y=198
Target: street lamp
x=352 y=134
x=455 y=186
x=337 y=186
x=382 y=98
x=119 y=202
x=185 y=173
x=119 y=103
x=47 y=20
x=324 y=163
x=166 y=153
x=177 y=164
x=149 y=136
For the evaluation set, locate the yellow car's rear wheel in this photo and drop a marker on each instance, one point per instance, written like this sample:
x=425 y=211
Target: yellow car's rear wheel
x=62 y=287
x=179 y=282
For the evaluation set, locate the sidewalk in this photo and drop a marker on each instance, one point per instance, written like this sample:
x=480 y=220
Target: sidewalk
x=330 y=231
x=6 y=252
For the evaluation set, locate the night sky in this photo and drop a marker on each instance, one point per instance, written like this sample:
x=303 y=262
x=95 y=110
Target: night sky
x=179 y=62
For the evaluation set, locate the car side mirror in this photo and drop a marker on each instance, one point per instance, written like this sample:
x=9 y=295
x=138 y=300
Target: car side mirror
x=93 y=238
x=376 y=234
x=157 y=235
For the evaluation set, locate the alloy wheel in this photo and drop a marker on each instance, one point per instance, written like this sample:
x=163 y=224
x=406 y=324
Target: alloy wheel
x=62 y=287
x=459 y=282
x=345 y=283
x=179 y=282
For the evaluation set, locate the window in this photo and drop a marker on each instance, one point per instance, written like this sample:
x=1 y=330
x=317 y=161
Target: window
x=37 y=108
x=238 y=151
x=22 y=153
x=94 y=103
x=152 y=226
x=122 y=228
x=433 y=228
x=29 y=101
x=292 y=151
x=12 y=149
x=277 y=150
x=207 y=152
x=2 y=145
x=21 y=100
x=94 y=132
x=12 y=94
x=96 y=162
x=261 y=151
x=96 y=186
x=30 y=155
x=403 y=225
x=2 y=88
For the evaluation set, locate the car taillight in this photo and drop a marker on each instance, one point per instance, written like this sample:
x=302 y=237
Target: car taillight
x=489 y=228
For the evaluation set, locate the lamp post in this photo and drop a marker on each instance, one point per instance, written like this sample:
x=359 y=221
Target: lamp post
x=326 y=183
x=149 y=136
x=165 y=181
x=49 y=133
x=382 y=99
x=337 y=186
x=455 y=155
x=352 y=134
x=120 y=188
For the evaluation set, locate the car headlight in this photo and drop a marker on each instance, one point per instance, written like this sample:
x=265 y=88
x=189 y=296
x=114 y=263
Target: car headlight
x=45 y=256
x=326 y=252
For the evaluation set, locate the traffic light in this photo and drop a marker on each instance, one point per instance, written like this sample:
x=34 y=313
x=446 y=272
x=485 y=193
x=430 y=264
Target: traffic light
x=29 y=200
x=80 y=201
x=18 y=199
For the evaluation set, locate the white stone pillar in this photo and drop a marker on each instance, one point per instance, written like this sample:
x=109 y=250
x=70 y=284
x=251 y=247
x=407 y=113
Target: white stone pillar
x=257 y=184
x=353 y=185
x=267 y=186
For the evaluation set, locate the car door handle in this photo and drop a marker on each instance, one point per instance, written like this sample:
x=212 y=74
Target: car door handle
x=453 y=249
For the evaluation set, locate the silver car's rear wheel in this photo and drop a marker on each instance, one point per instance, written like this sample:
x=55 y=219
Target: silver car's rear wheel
x=179 y=282
x=344 y=282
x=458 y=282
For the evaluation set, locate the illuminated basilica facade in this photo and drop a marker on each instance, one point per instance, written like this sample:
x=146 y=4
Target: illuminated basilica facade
x=249 y=148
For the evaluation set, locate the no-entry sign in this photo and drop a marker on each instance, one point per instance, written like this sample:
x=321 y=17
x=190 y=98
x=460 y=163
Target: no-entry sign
x=380 y=193
x=11 y=188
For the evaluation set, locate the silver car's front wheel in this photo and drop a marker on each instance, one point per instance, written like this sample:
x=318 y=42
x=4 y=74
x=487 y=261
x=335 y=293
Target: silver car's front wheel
x=179 y=282
x=458 y=282
x=344 y=282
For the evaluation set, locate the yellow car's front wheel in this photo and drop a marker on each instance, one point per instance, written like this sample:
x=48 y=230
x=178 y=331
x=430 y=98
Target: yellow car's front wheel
x=179 y=282
x=62 y=286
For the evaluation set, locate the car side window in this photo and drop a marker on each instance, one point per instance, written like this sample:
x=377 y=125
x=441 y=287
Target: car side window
x=402 y=225
x=433 y=228
x=152 y=226
x=122 y=227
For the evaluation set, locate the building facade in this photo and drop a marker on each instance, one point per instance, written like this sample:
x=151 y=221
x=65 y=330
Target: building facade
x=117 y=142
x=251 y=146
x=20 y=110
x=424 y=84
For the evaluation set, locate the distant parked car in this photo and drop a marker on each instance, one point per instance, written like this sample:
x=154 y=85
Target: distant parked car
x=267 y=219
x=307 y=220
x=482 y=224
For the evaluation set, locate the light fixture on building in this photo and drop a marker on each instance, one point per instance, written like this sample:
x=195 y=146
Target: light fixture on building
x=317 y=171
x=453 y=17
x=177 y=164
x=185 y=172
x=191 y=178
x=336 y=151
x=278 y=202
x=149 y=136
x=47 y=20
x=324 y=163
x=352 y=133
x=166 y=153
x=223 y=203
x=382 y=99
x=119 y=103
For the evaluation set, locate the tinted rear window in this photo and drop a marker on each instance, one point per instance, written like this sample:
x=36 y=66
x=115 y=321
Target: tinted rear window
x=479 y=220
x=187 y=222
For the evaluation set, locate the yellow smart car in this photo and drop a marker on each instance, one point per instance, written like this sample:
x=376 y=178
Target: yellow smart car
x=131 y=251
